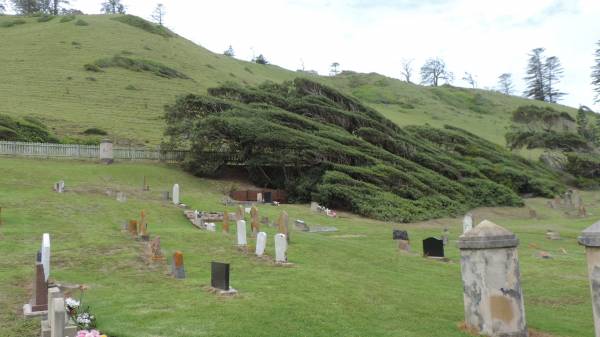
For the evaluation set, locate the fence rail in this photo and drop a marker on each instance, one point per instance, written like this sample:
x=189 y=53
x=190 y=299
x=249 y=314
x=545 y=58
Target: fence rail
x=78 y=151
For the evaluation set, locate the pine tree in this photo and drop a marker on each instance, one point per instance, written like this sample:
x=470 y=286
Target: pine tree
x=26 y=7
x=596 y=74
x=552 y=73
x=260 y=59
x=535 y=75
x=505 y=84
x=159 y=14
x=113 y=7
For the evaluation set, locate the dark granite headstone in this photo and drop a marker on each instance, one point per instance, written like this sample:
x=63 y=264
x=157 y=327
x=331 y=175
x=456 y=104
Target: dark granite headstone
x=400 y=235
x=219 y=275
x=433 y=247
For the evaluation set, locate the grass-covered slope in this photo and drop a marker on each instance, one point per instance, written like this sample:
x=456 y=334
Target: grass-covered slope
x=43 y=72
x=320 y=144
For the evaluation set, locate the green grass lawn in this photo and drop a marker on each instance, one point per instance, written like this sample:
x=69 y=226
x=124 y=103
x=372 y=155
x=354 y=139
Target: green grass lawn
x=350 y=283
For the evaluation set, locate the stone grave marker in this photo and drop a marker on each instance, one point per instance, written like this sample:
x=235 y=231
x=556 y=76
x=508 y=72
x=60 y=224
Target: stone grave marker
x=176 y=194
x=166 y=196
x=121 y=197
x=46 y=255
x=259 y=198
x=154 y=251
x=433 y=247
x=106 y=151
x=241 y=233
x=590 y=239
x=301 y=225
x=402 y=238
x=552 y=235
x=211 y=227
x=255 y=224
x=261 y=243
x=219 y=278
x=178 y=269
x=322 y=229
x=70 y=329
x=283 y=225
x=239 y=213
x=445 y=235
x=467 y=222
x=314 y=207
x=226 y=222
x=281 y=246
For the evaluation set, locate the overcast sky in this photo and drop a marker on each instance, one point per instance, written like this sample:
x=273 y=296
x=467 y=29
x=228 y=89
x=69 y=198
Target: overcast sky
x=483 y=37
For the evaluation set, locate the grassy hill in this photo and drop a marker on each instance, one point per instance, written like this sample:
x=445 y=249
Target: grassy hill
x=43 y=75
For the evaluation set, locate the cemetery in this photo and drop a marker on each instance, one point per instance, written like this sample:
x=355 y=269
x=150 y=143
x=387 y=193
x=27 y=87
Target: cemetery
x=222 y=258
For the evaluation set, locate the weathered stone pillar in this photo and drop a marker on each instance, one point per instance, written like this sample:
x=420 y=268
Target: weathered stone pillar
x=57 y=328
x=178 y=269
x=590 y=238
x=281 y=246
x=491 y=281
x=106 y=151
x=261 y=243
x=241 y=233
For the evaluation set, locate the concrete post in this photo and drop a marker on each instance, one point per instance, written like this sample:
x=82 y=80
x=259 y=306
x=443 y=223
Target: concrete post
x=106 y=151
x=491 y=281
x=57 y=329
x=590 y=238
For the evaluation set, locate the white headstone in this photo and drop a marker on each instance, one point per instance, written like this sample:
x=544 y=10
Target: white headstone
x=241 y=233
x=467 y=222
x=259 y=198
x=261 y=243
x=280 y=248
x=46 y=254
x=314 y=206
x=211 y=227
x=176 y=194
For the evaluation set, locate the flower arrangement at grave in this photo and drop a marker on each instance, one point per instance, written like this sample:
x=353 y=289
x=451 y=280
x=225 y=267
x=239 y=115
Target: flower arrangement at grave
x=89 y=333
x=80 y=315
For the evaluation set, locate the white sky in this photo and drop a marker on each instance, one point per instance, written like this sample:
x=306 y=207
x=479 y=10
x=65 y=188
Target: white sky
x=483 y=37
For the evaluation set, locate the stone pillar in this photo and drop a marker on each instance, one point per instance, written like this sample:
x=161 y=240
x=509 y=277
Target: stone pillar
x=590 y=238
x=491 y=281
x=58 y=318
x=39 y=301
x=283 y=225
x=467 y=223
x=255 y=224
x=178 y=270
x=280 y=248
x=261 y=243
x=226 y=222
x=176 y=194
x=241 y=233
x=106 y=151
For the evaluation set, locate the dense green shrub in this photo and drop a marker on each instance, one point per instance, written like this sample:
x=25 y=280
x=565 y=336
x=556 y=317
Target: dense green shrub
x=322 y=145
x=153 y=67
x=144 y=25
x=81 y=22
x=583 y=165
x=94 y=131
x=25 y=130
x=45 y=18
x=67 y=18
x=11 y=23
x=92 y=67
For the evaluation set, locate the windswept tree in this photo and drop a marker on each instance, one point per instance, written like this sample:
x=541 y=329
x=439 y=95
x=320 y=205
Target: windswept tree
x=470 y=79
x=535 y=75
x=553 y=72
x=334 y=69
x=26 y=7
x=113 y=7
x=229 y=52
x=596 y=74
x=505 y=84
x=159 y=14
x=407 y=70
x=260 y=59
x=434 y=71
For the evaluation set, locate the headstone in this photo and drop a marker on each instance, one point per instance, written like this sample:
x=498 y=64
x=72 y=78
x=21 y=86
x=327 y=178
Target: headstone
x=493 y=300
x=301 y=225
x=255 y=224
x=261 y=243
x=280 y=248
x=46 y=255
x=283 y=225
x=178 y=269
x=314 y=207
x=219 y=276
x=226 y=222
x=70 y=329
x=211 y=227
x=121 y=197
x=241 y=233
x=445 y=235
x=467 y=222
x=239 y=213
x=59 y=186
x=106 y=151
x=143 y=226
x=58 y=318
x=39 y=301
x=132 y=227
x=552 y=235
x=145 y=187
x=259 y=198
x=176 y=194
x=433 y=247
x=154 y=250
x=400 y=235
x=590 y=238
x=166 y=196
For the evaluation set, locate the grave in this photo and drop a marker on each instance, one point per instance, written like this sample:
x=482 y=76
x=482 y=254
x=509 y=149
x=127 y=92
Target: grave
x=211 y=226
x=301 y=225
x=281 y=246
x=590 y=239
x=121 y=197
x=106 y=151
x=166 y=196
x=219 y=278
x=261 y=243
x=552 y=235
x=143 y=227
x=46 y=255
x=39 y=301
x=255 y=224
x=70 y=329
x=322 y=229
x=178 y=271
x=314 y=206
x=433 y=247
x=402 y=238
x=445 y=235
x=226 y=222
x=153 y=250
x=132 y=227
x=283 y=225
x=59 y=187
x=467 y=222
x=241 y=233
x=176 y=194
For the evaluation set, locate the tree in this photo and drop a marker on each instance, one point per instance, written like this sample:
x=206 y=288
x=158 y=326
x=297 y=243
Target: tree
x=26 y=7
x=159 y=14
x=434 y=70
x=505 y=84
x=596 y=74
x=229 y=52
x=260 y=59
x=552 y=73
x=113 y=7
x=2 y=7
x=470 y=79
x=535 y=75
x=334 y=69
x=407 y=70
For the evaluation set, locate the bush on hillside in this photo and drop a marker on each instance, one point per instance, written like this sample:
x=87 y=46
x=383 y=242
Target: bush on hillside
x=81 y=22
x=30 y=130
x=322 y=145
x=95 y=131
x=45 y=18
x=67 y=18
x=128 y=63
x=144 y=25
x=92 y=67
x=11 y=23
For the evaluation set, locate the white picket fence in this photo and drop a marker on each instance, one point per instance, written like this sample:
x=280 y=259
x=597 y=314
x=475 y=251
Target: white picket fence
x=78 y=151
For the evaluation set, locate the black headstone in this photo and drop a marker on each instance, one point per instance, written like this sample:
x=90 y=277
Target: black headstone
x=38 y=256
x=219 y=275
x=400 y=235
x=433 y=247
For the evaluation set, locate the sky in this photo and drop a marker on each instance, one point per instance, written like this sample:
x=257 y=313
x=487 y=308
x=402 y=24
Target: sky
x=483 y=37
